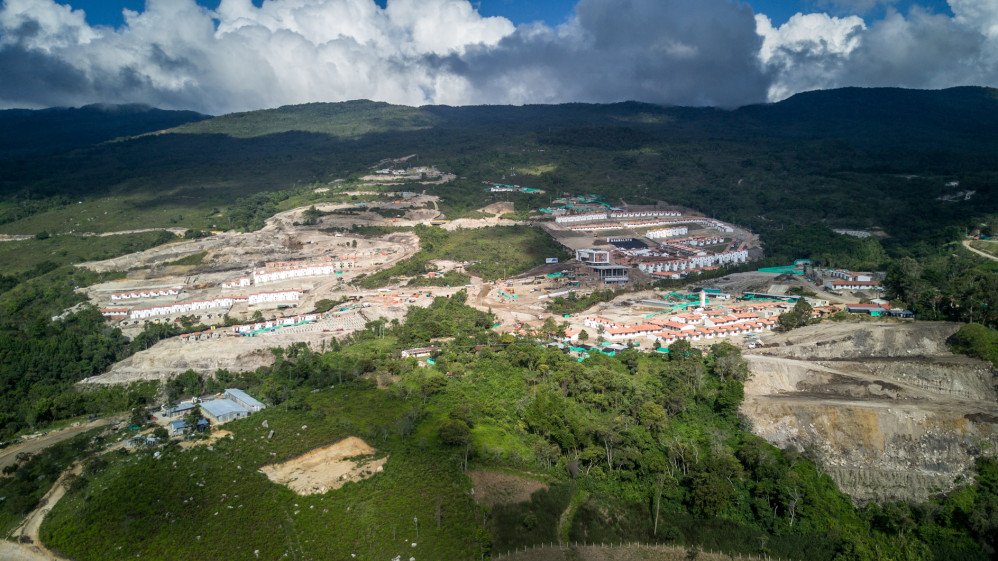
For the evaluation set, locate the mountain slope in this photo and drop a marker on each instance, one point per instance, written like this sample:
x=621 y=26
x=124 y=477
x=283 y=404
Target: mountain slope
x=55 y=130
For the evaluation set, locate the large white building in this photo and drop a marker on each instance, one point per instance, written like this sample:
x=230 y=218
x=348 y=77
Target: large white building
x=587 y=217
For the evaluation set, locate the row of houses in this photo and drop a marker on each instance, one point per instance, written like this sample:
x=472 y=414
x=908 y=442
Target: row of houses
x=667 y=232
x=643 y=213
x=694 y=262
x=854 y=285
x=114 y=313
x=699 y=241
x=651 y=223
x=180 y=308
x=692 y=326
x=145 y=293
x=585 y=217
x=265 y=276
x=720 y=331
x=279 y=322
x=595 y=227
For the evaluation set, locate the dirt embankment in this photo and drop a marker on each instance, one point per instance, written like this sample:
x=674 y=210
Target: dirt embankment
x=884 y=408
x=327 y=468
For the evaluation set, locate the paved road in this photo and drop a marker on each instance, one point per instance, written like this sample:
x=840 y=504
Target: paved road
x=966 y=244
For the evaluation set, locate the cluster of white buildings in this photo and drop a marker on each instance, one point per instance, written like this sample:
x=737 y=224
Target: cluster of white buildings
x=694 y=262
x=667 y=232
x=643 y=213
x=181 y=308
x=145 y=293
x=587 y=217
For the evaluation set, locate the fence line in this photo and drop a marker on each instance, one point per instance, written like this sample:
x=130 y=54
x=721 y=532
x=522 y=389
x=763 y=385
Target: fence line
x=655 y=546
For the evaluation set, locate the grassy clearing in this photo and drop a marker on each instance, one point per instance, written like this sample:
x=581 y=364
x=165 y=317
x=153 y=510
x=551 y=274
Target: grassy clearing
x=193 y=259
x=19 y=256
x=497 y=252
x=198 y=504
x=538 y=169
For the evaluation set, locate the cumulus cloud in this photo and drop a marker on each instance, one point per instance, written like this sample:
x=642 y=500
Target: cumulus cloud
x=240 y=56
x=915 y=50
x=177 y=54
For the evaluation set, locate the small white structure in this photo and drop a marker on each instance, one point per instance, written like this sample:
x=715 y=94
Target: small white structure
x=238 y=283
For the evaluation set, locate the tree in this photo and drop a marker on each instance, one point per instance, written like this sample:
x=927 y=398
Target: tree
x=583 y=336
x=454 y=432
x=799 y=316
x=653 y=416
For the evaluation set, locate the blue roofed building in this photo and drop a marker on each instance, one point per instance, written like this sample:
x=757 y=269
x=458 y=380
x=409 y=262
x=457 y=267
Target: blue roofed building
x=178 y=409
x=222 y=410
x=244 y=399
x=178 y=427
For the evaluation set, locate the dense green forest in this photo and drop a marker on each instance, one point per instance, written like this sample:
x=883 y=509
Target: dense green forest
x=45 y=350
x=644 y=447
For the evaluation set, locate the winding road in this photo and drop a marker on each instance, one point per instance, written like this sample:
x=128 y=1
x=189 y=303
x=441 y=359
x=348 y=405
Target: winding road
x=966 y=244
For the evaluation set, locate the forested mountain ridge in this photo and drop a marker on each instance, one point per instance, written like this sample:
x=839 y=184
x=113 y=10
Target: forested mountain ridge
x=50 y=131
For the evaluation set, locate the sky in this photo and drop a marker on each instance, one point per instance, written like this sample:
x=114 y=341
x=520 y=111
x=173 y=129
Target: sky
x=221 y=56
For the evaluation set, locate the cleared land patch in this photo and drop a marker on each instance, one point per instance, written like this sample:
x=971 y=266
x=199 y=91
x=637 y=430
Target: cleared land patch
x=497 y=487
x=326 y=468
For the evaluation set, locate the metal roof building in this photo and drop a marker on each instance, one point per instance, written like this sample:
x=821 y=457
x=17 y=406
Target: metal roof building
x=223 y=410
x=244 y=399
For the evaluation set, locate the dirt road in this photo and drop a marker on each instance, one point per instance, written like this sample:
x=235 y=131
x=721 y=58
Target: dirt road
x=966 y=244
x=9 y=454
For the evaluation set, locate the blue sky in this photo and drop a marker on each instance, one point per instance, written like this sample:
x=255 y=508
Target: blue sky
x=554 y=12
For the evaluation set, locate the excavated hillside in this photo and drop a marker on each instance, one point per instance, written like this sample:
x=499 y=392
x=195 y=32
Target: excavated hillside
x=883 y=407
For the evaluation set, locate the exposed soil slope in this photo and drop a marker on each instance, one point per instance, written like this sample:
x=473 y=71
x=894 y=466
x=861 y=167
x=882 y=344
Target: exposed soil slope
x=884 y=408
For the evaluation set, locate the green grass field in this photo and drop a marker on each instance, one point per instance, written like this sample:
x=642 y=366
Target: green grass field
x=498 y=252
x=214 y=503
x=23 y=255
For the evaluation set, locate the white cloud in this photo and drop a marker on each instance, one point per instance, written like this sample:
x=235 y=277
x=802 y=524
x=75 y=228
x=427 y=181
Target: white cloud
x=914 y=50
x=176 y=54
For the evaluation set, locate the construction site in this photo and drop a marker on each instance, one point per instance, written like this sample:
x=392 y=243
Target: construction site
x=296 y=281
